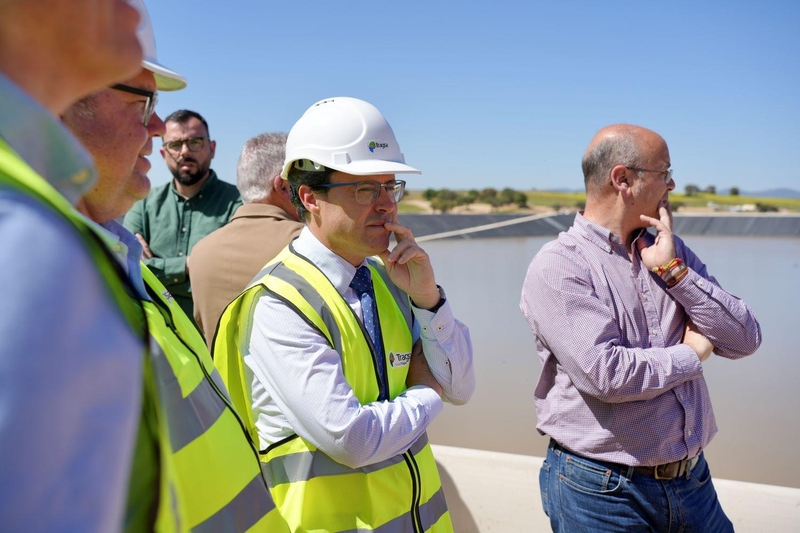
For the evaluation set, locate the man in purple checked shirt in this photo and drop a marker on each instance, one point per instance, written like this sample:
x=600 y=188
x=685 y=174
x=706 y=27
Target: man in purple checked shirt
x=623 y=321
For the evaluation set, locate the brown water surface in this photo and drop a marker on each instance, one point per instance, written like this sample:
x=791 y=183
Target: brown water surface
x=756 y=400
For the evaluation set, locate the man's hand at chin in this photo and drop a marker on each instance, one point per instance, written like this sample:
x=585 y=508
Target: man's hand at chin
x=409 y=267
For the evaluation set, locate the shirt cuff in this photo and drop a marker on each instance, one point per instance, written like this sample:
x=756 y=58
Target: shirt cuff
x=688 y=363
x=175 y=270
x=692 y=289
x=435 y=326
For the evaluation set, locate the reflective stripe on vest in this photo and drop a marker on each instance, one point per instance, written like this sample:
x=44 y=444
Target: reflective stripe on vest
x=305 y=464
x=312 y=491
x=219 y=484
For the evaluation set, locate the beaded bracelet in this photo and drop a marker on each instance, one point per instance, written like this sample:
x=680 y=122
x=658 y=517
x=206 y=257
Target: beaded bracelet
x=676 y=261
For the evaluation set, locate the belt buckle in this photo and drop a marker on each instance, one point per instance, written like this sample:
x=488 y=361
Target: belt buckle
x=683 y=466
x=667 y=467
x=655 y=472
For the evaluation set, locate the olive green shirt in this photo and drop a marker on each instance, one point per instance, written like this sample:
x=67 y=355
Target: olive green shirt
x=172 y=225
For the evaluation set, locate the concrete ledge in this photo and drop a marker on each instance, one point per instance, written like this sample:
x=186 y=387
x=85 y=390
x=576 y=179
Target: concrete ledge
x=499 y=492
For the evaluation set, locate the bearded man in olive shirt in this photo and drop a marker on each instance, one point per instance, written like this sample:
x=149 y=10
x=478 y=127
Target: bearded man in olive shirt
x=175 y=216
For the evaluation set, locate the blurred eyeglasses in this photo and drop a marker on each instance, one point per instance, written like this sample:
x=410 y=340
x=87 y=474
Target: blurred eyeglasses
x=667 y=173
x=368 y=191
x=150 y=103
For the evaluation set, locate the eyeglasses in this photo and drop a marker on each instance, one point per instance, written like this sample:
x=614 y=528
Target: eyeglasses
x=367 y=191
x=195 y=144
x=667 y=173
x=150 y=104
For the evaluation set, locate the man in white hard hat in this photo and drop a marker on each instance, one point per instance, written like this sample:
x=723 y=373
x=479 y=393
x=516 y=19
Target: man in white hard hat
x=70 y=364
x=194 y=465
x=318 y=351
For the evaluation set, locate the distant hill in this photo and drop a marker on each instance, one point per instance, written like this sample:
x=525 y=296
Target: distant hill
x=565 y=190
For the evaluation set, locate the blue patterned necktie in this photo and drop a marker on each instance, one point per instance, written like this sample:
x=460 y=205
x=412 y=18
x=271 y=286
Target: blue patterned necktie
x=362 y=284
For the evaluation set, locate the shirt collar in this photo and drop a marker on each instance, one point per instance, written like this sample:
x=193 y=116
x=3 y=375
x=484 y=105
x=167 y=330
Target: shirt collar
x=337 y=269
x=126 y=248
x=112 y=235
x=259 y=210
x=603 y=238
x=44 y=143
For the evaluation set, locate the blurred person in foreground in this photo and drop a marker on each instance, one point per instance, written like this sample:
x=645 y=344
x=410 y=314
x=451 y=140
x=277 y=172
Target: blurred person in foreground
x=318 y=350
x=175 y=216
x=225 y=261
x=194 y=466
x=623 y=321
x=70 y=363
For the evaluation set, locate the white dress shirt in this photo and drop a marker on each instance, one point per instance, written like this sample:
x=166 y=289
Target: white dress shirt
x=298 y=385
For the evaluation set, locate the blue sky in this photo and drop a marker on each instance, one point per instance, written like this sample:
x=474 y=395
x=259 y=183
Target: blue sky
x=502 y=94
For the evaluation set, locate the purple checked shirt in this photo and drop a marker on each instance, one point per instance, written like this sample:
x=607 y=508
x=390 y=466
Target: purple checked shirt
x=617 y=384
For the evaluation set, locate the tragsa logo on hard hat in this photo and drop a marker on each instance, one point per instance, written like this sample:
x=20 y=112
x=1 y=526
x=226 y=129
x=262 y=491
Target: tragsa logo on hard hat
x=372 y=145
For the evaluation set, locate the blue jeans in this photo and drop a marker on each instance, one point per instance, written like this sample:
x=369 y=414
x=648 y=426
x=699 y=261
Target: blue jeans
x=584 y=495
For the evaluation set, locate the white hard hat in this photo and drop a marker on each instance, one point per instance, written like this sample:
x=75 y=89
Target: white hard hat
x=166 y=79
x=345 y=134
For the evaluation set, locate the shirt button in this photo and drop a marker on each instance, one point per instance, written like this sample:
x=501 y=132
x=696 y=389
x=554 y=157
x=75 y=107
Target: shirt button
x=608 y=248
x=700 y=283
x=180 y=254
x=424 y=328
x=81 y=176
x=689 y=432
x=183 y=230
x=174 y=280
x=654 y=332
x=439 y=328
x=644 y=297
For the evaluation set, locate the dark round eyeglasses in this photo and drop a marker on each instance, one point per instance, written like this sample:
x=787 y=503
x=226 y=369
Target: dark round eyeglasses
x=195 y=144
x=150 y=103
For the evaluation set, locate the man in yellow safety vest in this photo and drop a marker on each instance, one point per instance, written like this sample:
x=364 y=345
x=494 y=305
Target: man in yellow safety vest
x=317 y=352
x=70 y=362
x=195 y=467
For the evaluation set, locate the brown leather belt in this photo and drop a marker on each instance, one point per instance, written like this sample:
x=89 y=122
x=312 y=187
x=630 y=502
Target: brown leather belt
x=668 y=470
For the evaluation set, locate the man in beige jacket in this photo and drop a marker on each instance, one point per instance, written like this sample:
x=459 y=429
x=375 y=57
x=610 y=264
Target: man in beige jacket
x=225 y=261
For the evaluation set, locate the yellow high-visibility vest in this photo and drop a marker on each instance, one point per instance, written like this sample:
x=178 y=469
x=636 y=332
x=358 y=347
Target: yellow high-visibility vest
x=209 y=472
x=312 y=491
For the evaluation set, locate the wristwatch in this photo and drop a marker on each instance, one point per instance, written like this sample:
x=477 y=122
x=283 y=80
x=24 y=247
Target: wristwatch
x=440 y=303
